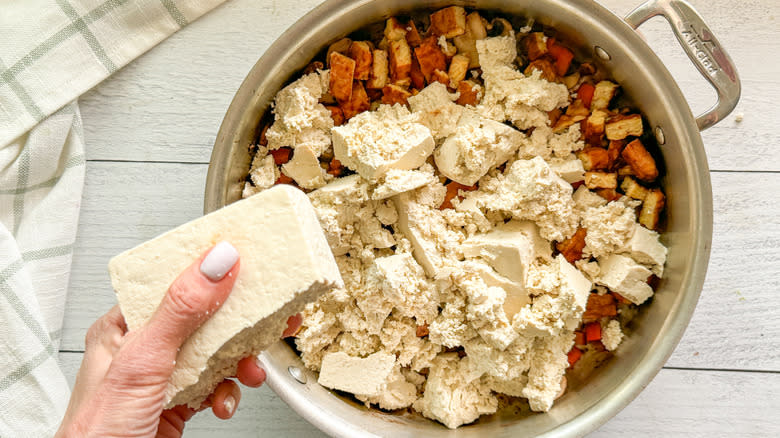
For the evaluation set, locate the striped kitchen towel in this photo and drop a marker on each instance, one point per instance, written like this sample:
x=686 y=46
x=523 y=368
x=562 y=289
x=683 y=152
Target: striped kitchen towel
x=52 y=51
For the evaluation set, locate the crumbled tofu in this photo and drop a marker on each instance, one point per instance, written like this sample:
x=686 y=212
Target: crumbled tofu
x=300 y=120
x=570 y=170
x=397 y=181
x=398 y=393
x=476 y=145
x=531 y=190
x=305 y=169
x=645 y=248
x=373 y=142
x=609 y=228
x=511 y=95
x=263 y=171
x=516 y=295
x=611 y=335
x=365 y=376
x=548 y=365
x=435 y=108
x=623 y=275
x=450 y=397
x=402 y=282
x=485 y=310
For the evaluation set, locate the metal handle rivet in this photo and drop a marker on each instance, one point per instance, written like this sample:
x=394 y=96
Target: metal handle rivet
x=659 y=135
x=601 y=53
x=297 y=374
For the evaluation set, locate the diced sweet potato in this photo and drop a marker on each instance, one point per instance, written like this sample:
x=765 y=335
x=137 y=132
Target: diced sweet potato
x=440 y=76
x=379 y=70
x=412 y=35
x=416 y=76
x=594 y=158
x=593 y=126
x=592 y=331
x=340 y=46
x=544 y=66
x=281 y=155
x=571 y=248
x=449 y=22
x=470 y=93
x=603 y=94
x=651 y=208
x=554 y=115
x=342 y=71
x=633 y=189
x=400 y=60
x=422 y=330
x=635 y=154
x=574 y=355
x=263 y=138
x=452 y=191
x=360 y=51
x=600 y=180
x=335 y=167
x=430 y=57
x=357 y=103
x=393 y=94
x=336 y=114
x=535 y=45
x=562 y=55
x=585 y=92
x=394 y=30
x=284 y=179
x=599 y=306
x=620 y=127
x=579 y=338
x=459 y=66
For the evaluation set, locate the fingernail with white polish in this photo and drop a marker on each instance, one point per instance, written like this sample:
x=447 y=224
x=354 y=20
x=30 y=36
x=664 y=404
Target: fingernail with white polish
x=219 y=261
x=230 y=404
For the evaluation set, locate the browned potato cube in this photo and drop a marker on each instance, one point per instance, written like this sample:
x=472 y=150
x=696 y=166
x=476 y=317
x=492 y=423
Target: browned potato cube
x=475 y=25
x=603 y=94
x=336 y=114
x=400 y=60
x=379 y=70
x=360 y=51
x=412 y=35
x=593 y=127
x=357 y=103
x=609 y=194
x=615 y=148
x=571 y=248
x=626 y=171
x=449 y=22
x=440 y=76
x=600 y=180
x=394 y=30
x=633 y=189
x=620 y=127
x=594 y=158
x=572 y=80
x=342 y=71
x=416 y=76
x=544 y=66
x=564 y=121
x=651 y=208
x=430 y=57
x=340 y=46
x=470 y=93
x=640 y=161
x=459 y=66
x=577 y=108
x=535 y=45
x=393 y=94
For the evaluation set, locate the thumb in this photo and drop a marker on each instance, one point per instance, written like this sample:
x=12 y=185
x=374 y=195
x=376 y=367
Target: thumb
x=192 y=298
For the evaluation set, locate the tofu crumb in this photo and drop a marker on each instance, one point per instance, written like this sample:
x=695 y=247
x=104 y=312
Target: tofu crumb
x=611 y=335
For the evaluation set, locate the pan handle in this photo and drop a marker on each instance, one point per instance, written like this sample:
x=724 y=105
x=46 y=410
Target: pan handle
x=702 y=48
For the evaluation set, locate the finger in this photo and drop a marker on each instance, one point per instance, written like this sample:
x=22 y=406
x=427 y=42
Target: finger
x=172 y=421
x=225 y=399
x=249 y=372
x=293 y=325
x=192 y=298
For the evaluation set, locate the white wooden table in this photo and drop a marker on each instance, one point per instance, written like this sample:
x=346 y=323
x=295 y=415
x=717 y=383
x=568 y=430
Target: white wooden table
x=150 y=129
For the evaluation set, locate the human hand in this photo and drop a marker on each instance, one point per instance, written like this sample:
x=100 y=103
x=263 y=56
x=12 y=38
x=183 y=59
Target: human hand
x=121 y=384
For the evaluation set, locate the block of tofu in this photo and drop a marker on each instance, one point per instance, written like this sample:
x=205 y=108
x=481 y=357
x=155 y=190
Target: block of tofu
x=285 y=264
x=570 y=170
x=623 y=275
x=364 y=376
x=509 y=248
x=477 y=145
x=645 y=248
x=304 y=169
x=373 y=142
x=436 y=109
x=398 y=181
